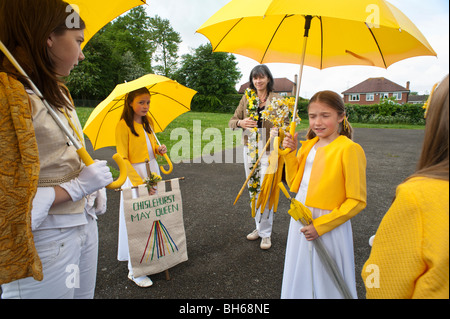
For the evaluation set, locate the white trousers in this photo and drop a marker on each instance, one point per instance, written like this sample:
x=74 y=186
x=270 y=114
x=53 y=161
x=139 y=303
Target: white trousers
x=263 y=222
x=69 y=263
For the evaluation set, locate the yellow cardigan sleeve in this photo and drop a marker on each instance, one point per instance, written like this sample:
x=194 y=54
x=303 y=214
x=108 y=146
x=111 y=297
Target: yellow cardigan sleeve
x=122 y=147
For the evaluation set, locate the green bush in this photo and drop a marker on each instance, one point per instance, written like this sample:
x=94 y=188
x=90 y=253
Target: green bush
x=387 y=112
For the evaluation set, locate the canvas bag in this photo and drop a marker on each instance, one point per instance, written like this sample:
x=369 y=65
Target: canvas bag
x=155 y=227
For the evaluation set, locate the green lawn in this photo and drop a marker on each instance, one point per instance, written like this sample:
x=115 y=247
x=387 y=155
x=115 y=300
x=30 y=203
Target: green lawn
x=208 y=126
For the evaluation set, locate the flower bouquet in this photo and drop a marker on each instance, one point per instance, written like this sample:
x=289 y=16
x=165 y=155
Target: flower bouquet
x=152 y=181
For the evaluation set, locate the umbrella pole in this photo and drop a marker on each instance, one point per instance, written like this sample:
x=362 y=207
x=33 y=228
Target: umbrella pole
x=308 y=19
x=81 y=151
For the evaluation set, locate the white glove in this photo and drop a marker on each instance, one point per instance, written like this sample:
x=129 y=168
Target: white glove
x=42 y=202
x=96 y=203
x=91 y=179
x=371 y=239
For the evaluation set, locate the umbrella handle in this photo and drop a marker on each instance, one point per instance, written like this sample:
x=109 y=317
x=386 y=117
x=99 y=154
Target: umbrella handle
x=87 y=159
x=287 y=150
x=170 y=165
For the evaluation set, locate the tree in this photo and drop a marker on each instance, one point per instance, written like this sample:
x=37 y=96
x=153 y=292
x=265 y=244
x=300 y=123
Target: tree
x=166 y=41
x=120 y=51
x=212 y=75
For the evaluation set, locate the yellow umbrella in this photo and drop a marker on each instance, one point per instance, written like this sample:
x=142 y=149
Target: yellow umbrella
x=169 y=99
x=97 y=13
x=335 y=33
x=350 y=32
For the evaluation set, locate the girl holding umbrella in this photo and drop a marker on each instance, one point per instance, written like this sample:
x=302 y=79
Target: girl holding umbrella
x=53 y=254
x=136 y=143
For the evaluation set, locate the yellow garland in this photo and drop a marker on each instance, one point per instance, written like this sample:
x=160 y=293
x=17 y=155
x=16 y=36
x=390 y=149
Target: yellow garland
x=253 y=139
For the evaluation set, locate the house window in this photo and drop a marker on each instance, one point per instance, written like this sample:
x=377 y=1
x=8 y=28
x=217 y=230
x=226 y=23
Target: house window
x=354 y=97
x=397 y=95
x=370 y=97
x=384 y=96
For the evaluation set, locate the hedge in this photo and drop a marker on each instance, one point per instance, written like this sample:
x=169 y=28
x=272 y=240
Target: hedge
x=387 y=112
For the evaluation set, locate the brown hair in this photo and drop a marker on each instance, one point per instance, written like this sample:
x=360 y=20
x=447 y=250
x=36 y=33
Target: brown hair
x=433 y=160
x=128 y=112
x=335 y=101
x=24 y=29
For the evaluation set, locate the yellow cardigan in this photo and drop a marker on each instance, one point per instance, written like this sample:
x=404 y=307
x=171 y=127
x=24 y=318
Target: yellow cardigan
x=133 y=148
x=409 y=257
x=337 y=182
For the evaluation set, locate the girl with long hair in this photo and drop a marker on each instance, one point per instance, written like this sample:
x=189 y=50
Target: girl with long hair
x=409 y=257
x=135 y=142
x=53 y=252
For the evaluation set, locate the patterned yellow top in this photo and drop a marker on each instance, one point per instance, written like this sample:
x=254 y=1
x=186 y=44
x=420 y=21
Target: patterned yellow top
x=409 y=257
x=19 y=174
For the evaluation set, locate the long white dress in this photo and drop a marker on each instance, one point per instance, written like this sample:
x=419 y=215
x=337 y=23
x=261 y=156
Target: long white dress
x=304 y=275
x=141 y=169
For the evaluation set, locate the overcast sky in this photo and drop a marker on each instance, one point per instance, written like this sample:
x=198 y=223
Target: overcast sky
x=431 y=17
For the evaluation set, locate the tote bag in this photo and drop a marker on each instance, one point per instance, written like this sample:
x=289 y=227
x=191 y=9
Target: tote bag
x=155 y=227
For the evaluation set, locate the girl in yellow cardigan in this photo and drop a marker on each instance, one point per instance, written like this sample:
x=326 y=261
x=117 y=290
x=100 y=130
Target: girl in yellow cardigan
x=135 y=142
x=329 y=176
x=409 y=257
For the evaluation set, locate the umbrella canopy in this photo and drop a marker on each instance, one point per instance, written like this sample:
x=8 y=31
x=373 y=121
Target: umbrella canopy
x=169 y=99
x=97 y=13
x=351 y=32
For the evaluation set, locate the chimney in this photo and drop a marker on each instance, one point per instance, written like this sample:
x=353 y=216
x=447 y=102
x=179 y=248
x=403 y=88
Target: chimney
x=407 y=85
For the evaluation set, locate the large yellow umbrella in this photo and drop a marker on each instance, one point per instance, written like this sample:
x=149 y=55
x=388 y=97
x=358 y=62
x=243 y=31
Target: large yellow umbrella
x=169 y=99
x=335 y=33
x=97 y=13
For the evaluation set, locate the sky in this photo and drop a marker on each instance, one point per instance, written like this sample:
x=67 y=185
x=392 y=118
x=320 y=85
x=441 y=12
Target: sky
x=431 y=18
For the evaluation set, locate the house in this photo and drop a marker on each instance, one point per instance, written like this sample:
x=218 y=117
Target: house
x=373 y=90
x=417 y=99
x=282 y=86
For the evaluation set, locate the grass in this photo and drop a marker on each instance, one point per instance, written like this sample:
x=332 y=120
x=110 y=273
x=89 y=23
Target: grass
x=208 y=127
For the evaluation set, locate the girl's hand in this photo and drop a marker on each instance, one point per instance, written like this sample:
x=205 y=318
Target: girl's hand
x=162 y=149
x=274 y=132
x=152 y=191
x=290 y=142
x=310 y=232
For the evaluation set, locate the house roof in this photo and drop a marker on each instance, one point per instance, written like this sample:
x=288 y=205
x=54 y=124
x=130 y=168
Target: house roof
x=372 y=85
x=417 y=98
x=280 y=85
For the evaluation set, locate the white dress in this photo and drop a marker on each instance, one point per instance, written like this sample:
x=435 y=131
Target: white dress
x=304 y=275
x=122 y=251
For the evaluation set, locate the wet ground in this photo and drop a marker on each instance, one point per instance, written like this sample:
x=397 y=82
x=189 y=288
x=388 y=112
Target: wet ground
x=222 y=263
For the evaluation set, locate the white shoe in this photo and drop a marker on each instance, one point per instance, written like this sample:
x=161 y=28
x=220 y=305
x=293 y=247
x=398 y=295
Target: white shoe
x=253 y=235
x=266 y=243
x=142 y=281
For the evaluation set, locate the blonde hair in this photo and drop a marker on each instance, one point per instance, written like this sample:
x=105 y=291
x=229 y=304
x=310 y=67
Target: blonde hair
x=335 y=101
x=433 y=160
